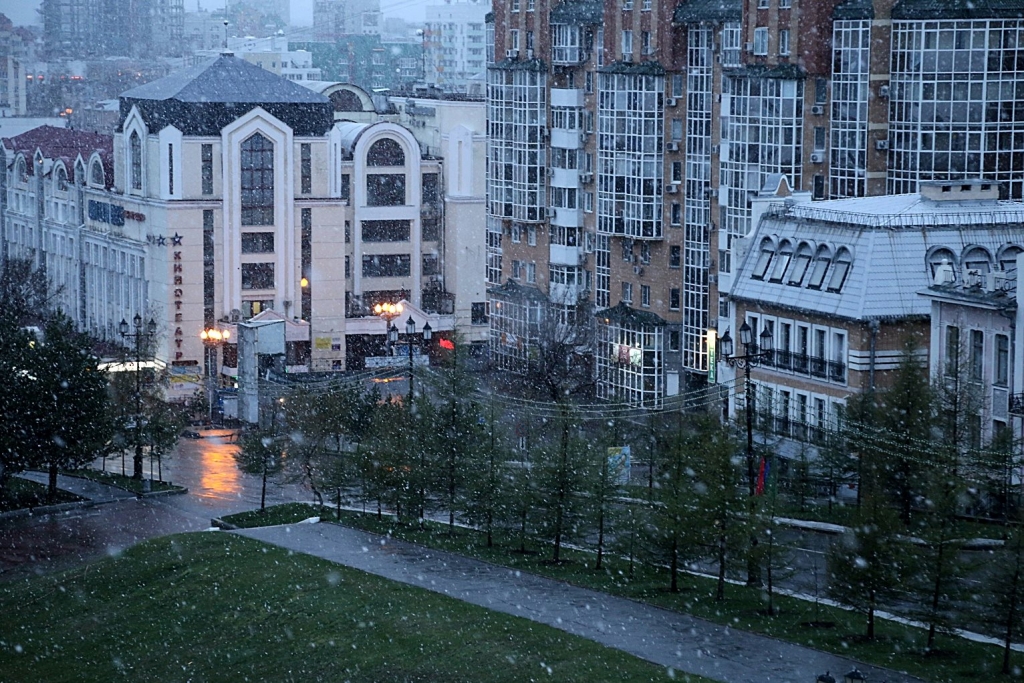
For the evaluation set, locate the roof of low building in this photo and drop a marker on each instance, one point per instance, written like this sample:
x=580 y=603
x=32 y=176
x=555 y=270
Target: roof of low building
x=578 y=12
x=627 y=315
x=513 y=290
x=707 y=11
x=958 y=9
x=62 y=143
x=887 y=240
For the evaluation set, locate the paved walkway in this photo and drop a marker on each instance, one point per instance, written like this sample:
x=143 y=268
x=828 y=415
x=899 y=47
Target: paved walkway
x=674 y=640
x=86 y=488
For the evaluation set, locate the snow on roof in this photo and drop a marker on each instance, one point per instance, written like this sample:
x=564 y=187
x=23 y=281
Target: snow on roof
x=224 y=78
x=62 y=143
x=888 y=240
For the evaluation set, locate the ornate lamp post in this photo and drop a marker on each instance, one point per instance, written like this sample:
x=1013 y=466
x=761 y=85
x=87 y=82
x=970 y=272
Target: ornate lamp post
x=753 y=355
x=212 y=339
x=410 y=330
x=146 y=332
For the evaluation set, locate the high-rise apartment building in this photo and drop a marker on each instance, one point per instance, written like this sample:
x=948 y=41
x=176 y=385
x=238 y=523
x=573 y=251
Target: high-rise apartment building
x=77 y=29
x=333 y=19
x=629 y=137
x=454 y=44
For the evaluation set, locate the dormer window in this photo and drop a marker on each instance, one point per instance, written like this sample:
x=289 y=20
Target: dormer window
x=764 y=259
x=822 y=259
x=940 y=257
x=22 y=171
x=96 y=175
x=62 y=180
x=977 y=259
x=1008 y=258
x=782 y=262
x=840 y=270
x=79 y=173
x=801 y=262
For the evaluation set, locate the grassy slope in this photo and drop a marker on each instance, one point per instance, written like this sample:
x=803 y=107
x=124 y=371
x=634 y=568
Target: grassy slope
x=896 y=646
x=216 y=607
x=21 y=493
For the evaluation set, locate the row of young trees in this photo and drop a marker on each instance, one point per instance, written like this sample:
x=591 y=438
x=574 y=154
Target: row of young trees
x=543 y=474
x=916 y=453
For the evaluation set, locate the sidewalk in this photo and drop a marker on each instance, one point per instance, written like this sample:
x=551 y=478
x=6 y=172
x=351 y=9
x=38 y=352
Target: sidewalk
x=685 y=643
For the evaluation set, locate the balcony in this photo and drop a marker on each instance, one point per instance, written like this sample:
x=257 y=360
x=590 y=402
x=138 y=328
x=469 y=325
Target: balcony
x=818 y=367
x=567 y=218
x=1017 y=404
x=438 y=301
x=566 y=138
x=567 y=97
x=837 y=371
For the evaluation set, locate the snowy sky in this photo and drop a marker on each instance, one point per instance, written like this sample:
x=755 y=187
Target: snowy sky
x=24 y=11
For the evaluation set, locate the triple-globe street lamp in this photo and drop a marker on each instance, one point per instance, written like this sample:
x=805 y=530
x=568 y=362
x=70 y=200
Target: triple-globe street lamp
x=753 y=355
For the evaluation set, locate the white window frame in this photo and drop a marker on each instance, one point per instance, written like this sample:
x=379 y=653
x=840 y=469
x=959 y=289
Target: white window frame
x=761 y=41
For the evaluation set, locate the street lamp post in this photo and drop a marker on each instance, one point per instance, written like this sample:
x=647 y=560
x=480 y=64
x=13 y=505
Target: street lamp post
x=753 y=355
x=410 y=330
x=141 y=332
x=212 y=339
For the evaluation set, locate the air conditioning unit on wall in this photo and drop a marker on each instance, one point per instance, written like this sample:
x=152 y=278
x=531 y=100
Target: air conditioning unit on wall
x=817 y=157
x=817 y=110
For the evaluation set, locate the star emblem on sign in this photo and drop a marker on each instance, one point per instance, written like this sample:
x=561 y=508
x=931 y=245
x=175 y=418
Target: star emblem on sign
x=161 y=241
x=176 y=240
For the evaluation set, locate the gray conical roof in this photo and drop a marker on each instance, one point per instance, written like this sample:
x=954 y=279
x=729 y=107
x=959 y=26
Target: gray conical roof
x=225 y=78
x=203 y=99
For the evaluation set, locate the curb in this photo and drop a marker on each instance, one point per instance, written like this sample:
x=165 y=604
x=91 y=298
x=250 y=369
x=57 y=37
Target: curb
x=221 y=524
x=46 y=509
x=179 y=491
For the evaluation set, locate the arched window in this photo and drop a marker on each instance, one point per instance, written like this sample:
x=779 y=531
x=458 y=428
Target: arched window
x=1008 y=257
x=79 y=172
x=97 y=174
x=764 y=259
x=62 y=180
x=977 y=259
x=135 y=153
x=822 y=260
x=939 y=256
x=21 y=173
x=840 y=269
x=345 y=100
x=257 y=181
x=385 y=152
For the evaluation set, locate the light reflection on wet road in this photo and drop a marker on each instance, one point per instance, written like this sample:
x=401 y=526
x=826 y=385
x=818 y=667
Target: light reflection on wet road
x=206 y=466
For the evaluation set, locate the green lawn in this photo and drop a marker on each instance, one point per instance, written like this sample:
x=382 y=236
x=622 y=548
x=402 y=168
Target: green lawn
x=289 y=513
x=898 y=647
x=21 y=493
x=122 y=481
x=217 y=607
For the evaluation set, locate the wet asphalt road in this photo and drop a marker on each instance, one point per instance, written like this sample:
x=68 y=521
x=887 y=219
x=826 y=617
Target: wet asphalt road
x=44 y=543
